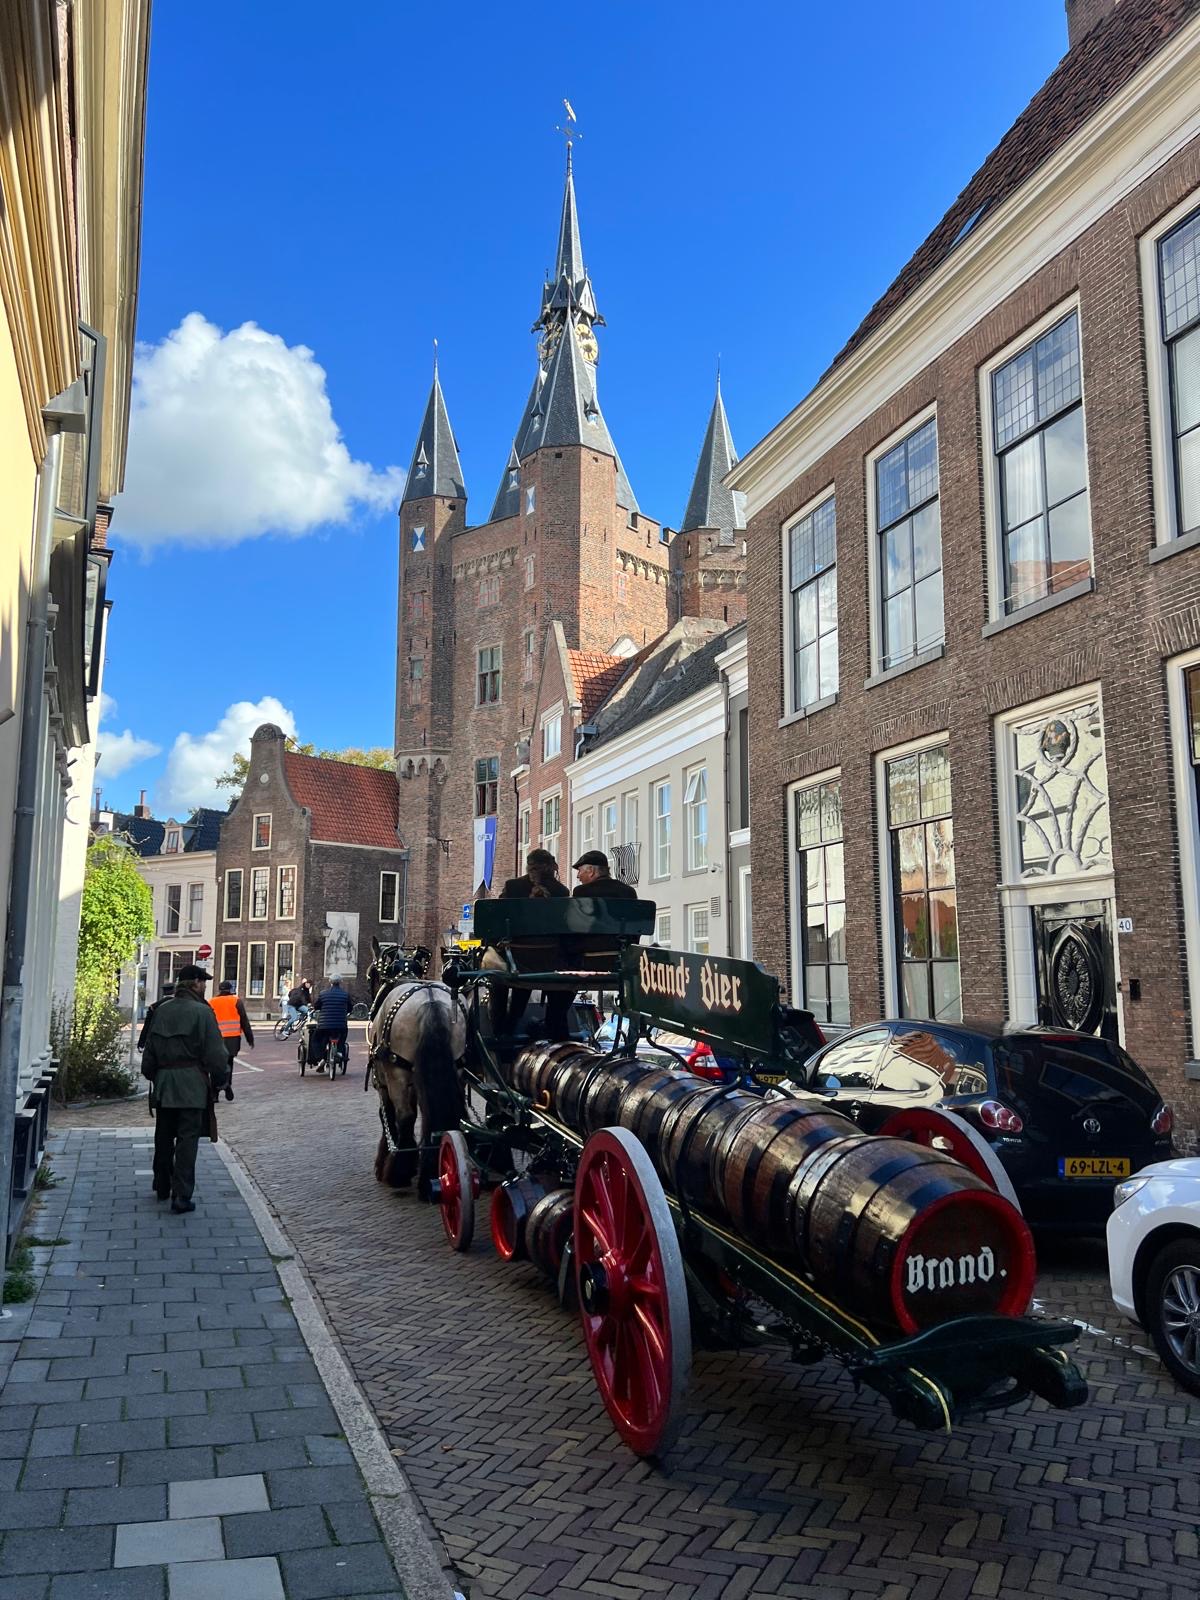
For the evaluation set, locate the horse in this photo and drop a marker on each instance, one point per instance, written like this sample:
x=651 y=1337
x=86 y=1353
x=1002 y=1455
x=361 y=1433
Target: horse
x=416 y=1036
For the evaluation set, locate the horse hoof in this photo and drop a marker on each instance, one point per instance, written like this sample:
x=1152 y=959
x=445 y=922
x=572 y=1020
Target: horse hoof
x=397 y=1171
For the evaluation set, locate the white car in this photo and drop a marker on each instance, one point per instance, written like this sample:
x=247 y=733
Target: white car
x=1154 y=1260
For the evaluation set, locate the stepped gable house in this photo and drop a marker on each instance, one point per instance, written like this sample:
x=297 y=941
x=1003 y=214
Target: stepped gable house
x=975 y=576
x=309 y=866
x=565 y=547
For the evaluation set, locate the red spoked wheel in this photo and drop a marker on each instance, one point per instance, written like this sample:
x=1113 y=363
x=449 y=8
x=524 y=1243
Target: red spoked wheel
x=455 y=1190
x=944 y=1131
x=632 y=1293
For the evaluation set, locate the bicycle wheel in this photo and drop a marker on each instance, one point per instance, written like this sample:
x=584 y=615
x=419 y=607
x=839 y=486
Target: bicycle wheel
x=282 y=1028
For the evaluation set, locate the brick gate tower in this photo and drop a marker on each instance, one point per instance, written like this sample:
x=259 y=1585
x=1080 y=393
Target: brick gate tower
x=565 y=542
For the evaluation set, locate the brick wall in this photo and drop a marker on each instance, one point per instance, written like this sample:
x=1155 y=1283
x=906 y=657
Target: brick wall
x=1116 y=636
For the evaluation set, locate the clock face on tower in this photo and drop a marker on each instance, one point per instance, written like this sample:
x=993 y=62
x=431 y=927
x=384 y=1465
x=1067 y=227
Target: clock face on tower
x=587 y=340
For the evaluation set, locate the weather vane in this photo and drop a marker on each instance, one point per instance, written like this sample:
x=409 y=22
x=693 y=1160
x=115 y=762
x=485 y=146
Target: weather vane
x=568 y=129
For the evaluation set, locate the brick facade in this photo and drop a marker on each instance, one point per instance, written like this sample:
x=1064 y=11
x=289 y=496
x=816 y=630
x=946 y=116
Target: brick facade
x=331 y=875
x=1118 y=637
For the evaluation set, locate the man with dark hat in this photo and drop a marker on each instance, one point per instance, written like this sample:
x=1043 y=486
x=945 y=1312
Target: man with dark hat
x=595 y=880
x=186 y=1061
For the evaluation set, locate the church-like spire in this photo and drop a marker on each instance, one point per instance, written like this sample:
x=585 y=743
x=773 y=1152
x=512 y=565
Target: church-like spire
x=508 y=495
x=711 y=504
x=570 y=412
x=568 y=295
x=435 y=469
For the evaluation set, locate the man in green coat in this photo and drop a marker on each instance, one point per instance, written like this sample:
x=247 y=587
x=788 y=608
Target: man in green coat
x=186 y=1061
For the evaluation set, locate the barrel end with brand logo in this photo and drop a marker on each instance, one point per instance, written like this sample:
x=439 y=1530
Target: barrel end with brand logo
x=970 y=1253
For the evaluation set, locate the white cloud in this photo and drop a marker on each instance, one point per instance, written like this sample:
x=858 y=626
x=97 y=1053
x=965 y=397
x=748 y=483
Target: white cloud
x=232 y=435
x=197 y=759
x=118 y=751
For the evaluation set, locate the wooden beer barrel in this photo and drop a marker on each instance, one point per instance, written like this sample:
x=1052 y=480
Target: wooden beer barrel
x=905 y=1237
x=548 y=1228
x=646 y=1103
x=754 y=1162
x=686 y=1138
x=531 y=1064
x=602 y=1098
x=570 y=1083
x=512 y=1204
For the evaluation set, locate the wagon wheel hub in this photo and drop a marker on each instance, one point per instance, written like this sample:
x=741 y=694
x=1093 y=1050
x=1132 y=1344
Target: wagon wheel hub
x=604 y=1287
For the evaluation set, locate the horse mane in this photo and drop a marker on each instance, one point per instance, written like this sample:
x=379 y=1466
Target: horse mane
x=436 y=1068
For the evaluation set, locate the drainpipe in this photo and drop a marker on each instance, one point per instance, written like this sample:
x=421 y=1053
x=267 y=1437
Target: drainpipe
x=66 y=413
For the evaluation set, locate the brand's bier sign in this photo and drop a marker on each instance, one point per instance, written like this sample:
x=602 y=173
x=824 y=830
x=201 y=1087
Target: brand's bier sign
x=949 y=1272
x=706 y=996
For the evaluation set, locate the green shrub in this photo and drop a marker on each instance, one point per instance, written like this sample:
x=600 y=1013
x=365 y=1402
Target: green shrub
x=89 y=1042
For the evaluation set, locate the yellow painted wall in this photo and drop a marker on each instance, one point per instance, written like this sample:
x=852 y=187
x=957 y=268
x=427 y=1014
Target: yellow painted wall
x=18 y=478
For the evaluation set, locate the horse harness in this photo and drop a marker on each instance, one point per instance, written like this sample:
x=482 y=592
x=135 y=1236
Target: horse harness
x=385 y=1053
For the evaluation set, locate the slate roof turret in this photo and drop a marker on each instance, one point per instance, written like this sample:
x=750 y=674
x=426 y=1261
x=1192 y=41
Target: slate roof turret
x=435 y=468
x=711 y=504
x=508 y=496
x=570 y=413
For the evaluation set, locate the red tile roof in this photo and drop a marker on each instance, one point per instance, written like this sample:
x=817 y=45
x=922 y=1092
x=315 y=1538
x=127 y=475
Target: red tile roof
x=595 y=676
x=1087 y=77
x=349 y=804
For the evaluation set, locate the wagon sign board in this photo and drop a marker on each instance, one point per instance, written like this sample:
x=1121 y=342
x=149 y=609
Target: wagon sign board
x=706 y=997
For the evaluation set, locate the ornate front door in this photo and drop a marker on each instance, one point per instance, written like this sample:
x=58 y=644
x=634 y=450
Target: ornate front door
x=1076 y=977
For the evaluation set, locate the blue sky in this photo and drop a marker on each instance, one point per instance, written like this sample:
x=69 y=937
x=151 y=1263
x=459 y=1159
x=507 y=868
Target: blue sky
x=357 y=183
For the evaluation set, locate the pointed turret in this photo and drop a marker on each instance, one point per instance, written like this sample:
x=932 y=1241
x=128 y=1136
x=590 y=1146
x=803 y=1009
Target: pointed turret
x=568 y=295
x=571 y=412
x=508 y=495
x=711 y=504
x=435 y=468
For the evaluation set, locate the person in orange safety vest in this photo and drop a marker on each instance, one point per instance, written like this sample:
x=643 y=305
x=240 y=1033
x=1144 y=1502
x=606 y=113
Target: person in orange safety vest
x=234 y=1023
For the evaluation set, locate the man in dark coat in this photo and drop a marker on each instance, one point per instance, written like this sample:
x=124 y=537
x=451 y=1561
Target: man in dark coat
x=596 y=881
x=186 y=1061
x=333 y=1021
x=540 y=882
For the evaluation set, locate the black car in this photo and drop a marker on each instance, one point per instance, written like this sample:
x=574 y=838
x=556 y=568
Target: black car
x=1067 y=1114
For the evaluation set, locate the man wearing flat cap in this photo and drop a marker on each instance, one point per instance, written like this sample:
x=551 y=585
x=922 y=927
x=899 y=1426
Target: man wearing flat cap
x=596 y=882
x=186 y=1061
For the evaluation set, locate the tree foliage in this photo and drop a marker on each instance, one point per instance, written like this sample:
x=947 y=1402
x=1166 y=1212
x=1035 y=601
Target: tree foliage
x=379 y=756
x=116 y=915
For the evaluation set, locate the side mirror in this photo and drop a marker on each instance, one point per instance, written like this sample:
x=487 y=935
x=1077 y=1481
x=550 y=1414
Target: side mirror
x=830 y=1085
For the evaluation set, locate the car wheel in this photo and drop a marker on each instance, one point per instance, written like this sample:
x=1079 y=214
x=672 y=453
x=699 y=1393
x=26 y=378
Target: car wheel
x=1173 y=1309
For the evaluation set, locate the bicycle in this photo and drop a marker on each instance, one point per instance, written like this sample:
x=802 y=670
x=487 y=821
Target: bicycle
x=286 y=1026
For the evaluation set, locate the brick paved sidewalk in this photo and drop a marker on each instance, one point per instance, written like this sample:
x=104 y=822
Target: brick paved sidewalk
x=165 y=1433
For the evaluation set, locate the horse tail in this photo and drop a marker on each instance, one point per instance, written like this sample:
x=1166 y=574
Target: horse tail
x=435 y=1069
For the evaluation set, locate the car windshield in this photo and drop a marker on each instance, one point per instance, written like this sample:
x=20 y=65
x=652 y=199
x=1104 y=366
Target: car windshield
x=1074 y=1068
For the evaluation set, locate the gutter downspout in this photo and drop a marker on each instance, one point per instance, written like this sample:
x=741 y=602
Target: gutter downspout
x=66 y=413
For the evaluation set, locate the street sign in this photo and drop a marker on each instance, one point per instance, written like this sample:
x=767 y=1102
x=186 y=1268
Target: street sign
x=204 y=952
x=468 y=911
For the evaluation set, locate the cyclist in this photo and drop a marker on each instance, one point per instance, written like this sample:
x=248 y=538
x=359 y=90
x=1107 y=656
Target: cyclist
x=333 y=1015
x=299 y=1002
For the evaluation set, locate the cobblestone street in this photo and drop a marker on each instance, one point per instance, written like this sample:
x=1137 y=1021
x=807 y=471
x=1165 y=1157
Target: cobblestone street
x=784 y=1483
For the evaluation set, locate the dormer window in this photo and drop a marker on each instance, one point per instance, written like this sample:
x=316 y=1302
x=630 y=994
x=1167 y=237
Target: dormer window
x=422 y=466
x=592 y=412
x=171 y=847
x=514 y=478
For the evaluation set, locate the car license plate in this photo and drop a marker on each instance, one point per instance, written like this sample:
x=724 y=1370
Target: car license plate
x=1093 y=1166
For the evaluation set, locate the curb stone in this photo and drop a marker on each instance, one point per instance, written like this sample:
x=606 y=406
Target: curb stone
x=396 y=1507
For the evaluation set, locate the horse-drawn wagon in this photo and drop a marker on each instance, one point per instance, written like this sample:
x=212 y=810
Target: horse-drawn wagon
x=663 y=1206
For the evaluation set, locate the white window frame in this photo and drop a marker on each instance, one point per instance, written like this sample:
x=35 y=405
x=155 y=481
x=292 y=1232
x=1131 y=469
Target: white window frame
x=266 y=872
x=241 y=875
x=692 y=913
x=609 y=836
x=196 y=926
x=690 y=808
x=231 y=944
x=168 y=930
x=252 y=946
x=525 y=827
x=874 y=580
x=550 y=841
x=528 y=660
x=1019 y=895
x=283 y=944
x=745 y=915
x=395 y=877
x=258 y=817
x=630 y=807
x=586 y=831
x=280 y=915
x=171 y=842
x=656 y=817
x=552 y=720
x=991 y=465
x=662 y=929
x=883 y=834
x=1158 y=381
x=530 y=568
x=791 y=710
x=1187 y=812
x=795 y=897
